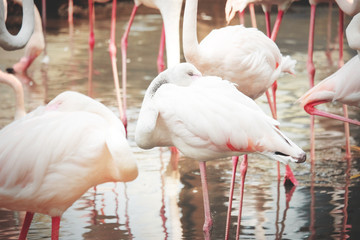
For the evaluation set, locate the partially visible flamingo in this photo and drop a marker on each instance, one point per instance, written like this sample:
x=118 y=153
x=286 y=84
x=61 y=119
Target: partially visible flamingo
x=342 y=86
x=9 y=41
x=207 y=118
x=34 y=47
x=232 y=6
x=68 y=146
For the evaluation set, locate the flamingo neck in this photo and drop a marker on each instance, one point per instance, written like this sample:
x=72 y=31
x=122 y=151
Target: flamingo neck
x=171 y=17
x=190 y=40
x=11 y=42
x=13 y=82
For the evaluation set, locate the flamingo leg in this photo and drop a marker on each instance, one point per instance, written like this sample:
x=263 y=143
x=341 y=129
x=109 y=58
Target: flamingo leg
x=71 y=12
x=91 y=44
x=311 y=72
x=160 y=59
x=208 y=221
x=174 y=158
x=310 y=108
x=277 y=25
x=243 y=170
x=124 y=43
x=252 y=15
x=112 y=52
x=340 y=64
x=235 y=161
x=26 y=225
x=55 y=228
x=310 y=63
x=268 y=23
x=242 y=17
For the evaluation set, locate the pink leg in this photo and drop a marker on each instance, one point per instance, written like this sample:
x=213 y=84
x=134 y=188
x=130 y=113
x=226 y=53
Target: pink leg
x=311 y=71
x=26 y=225
x=208 y=221
x=55 y=228
x=174 y=159
x=341 y=38
x=310 y=63
x=235 y=161
x=124 y=43
x=91 y=44
x=268 y=24
x=310 y=108
x=112 y=51
x=277 y=25
x=160 y=60
x=71 y=12
x=243 y=170
x=252 y=15
x=242 y=17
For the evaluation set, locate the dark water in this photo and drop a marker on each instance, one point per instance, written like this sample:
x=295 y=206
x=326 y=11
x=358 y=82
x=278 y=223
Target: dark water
x=163 y=203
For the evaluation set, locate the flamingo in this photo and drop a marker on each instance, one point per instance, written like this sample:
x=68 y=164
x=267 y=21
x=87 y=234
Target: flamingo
x=11 y=42
x=245 y=56
x=68 y=146
x=207 y=118
x=33 y=48
x=342 y=86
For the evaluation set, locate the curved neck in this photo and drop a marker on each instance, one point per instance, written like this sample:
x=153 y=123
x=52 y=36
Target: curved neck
x=190 y=40
x=171 y=17
x=13 y=82
x=13 y=42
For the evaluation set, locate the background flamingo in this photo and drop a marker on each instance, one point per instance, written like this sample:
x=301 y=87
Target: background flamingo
x=9 y=41
x=173 y=114
x=34 y=47
x=79 y=144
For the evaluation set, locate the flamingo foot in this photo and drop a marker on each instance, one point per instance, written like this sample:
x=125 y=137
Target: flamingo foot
x=289 y=178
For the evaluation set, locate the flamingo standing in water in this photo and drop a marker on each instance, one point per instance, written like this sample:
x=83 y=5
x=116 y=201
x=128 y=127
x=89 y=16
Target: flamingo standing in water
x=207 y=118
x=245 y=56
x=350 y=8
x=65 y=148
x=343 y=85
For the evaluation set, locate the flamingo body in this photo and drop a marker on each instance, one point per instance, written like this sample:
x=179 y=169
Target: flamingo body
x=245 y=56
x=207 y=118
x=342 y=86
x=53 y=155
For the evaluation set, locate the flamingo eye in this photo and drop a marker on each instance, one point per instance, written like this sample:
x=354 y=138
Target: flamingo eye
x=191 y=74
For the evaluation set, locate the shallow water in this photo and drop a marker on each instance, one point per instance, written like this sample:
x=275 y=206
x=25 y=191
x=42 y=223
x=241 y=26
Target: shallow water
x=163 y=203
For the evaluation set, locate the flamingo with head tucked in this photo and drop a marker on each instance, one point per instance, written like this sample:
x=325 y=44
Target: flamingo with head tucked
x=65 y=148
x=207 y=118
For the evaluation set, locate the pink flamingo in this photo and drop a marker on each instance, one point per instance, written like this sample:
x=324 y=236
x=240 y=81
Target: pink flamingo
x=350 y=8
x=207 y=118
x=79 y=143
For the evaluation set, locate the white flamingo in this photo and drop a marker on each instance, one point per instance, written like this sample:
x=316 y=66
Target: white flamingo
x=207 y=118
x=53 y=155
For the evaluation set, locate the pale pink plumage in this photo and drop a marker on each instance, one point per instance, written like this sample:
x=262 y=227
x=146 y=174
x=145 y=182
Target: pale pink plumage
x=207 y=118
x=342 y=86
x=53 y=155
x=241 y=55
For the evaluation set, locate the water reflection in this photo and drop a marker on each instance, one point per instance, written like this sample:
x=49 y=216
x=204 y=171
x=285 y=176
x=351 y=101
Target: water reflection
x=166 y=203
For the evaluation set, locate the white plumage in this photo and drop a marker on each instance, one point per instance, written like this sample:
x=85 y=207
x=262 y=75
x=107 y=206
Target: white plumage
x=53 y=155
x=207 y=118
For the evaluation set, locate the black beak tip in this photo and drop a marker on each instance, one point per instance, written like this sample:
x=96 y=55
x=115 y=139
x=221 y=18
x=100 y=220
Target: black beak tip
x=302 y=158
